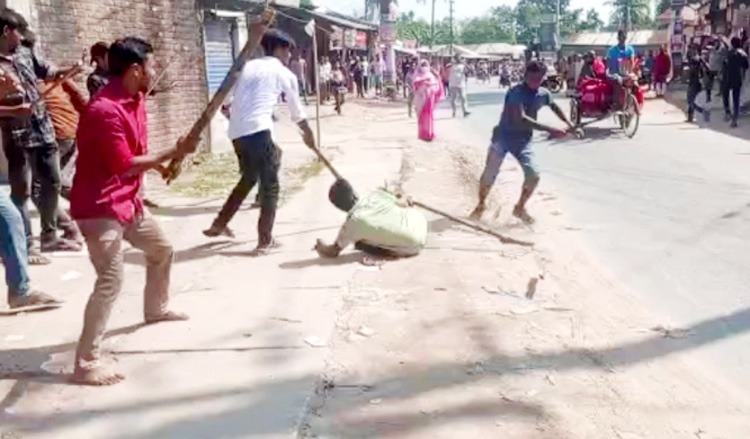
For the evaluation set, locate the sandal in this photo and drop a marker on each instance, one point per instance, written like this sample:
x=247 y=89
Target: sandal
x=33 y=298
x=60 y=245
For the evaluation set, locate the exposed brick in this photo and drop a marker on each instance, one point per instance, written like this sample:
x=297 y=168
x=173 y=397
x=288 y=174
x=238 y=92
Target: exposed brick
x=66 y=27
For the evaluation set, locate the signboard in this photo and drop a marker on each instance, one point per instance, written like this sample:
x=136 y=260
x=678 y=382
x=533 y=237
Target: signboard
x=360 y=40
x=350 y=38
x=548 y=37
x=337 y=38
x=387 y=32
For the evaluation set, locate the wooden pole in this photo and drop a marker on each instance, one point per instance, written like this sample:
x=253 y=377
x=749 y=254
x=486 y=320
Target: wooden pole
x=317 y=83
x=504 y=239
x=193 y=137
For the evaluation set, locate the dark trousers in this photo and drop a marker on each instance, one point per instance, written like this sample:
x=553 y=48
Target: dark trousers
x=734 y=90
x=260 y=161
x=692 y=106
x=710 y=80
x=42 y=163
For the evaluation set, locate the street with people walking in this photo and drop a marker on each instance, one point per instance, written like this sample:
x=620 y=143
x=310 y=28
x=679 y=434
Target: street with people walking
x=314 y=237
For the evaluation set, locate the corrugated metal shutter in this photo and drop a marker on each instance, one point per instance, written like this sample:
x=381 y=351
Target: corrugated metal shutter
x=219 y=56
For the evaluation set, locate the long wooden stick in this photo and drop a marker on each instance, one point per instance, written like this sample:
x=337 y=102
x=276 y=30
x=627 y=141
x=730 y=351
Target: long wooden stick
x=479 y=228
x=193 y=137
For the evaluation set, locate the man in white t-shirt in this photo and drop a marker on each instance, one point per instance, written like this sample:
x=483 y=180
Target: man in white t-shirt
x=325 y=78
x=457 y=85
x=257 y=91
x=365 y=73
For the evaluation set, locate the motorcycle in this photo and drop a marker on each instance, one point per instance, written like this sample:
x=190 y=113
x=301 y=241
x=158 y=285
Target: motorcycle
x=553 y=83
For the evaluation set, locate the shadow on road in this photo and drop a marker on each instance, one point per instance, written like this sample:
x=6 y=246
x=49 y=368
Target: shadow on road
x=263 y=400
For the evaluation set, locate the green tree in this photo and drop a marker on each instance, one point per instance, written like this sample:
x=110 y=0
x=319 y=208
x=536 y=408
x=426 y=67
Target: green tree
x=410 y=28
x=592 y=23
x=307 y=4
x=630 y=14
x=497 y=26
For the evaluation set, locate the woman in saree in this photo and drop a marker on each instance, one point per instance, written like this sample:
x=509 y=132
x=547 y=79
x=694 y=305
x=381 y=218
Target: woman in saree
x=427 y=92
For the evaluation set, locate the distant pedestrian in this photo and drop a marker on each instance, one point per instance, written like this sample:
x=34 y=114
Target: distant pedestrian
x=457 y=85
x=427 y=93
x=365 y=74
x=662 y=71
x=298 y=66
x=378 y=70
x=696 y=74
x=734 y=74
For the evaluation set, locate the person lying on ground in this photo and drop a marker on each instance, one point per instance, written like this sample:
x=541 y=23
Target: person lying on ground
x=380 y=224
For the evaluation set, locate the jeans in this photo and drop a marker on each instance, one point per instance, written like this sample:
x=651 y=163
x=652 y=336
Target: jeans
x=260 y=161
x=710 y=80
x=735 y=91
x=104 y=240
x=42 y=163
x=13 y=248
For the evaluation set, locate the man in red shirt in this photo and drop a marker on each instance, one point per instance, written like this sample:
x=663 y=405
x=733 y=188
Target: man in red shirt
x=105 y=200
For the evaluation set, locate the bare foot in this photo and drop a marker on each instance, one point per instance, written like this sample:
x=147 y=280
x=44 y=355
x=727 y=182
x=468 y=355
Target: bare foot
x=476 y=215
x=523 y=215
x=216 y=231
x=36 y=258
x=98 y=376
x=167 y=316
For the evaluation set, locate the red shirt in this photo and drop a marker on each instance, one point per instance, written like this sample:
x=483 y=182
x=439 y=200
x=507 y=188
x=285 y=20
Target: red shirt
x=112 y=131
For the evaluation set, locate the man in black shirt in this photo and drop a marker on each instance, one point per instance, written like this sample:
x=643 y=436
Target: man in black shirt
x=696 y=73
x=734 y=73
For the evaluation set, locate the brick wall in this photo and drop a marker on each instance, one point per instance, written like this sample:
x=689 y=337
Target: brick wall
x=66 y=27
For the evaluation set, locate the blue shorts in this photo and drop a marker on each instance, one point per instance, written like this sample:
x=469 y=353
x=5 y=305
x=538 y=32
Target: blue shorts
x=495 y=156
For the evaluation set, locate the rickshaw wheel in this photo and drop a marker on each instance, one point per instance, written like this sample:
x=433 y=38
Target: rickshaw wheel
x=630 y=121
x=575 y=112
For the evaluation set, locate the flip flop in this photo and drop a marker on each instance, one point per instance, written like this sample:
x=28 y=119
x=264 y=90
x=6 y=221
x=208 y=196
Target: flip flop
x=60 y=244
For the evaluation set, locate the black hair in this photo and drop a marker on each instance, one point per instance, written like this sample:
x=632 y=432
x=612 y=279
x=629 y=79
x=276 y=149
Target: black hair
x=12 y=19
x=29 y=39
x=99 y=50
x=273 y=39
x=736 y=43
x=342 y=195
x=622 y=33
x=125 y=52
x=536 y=67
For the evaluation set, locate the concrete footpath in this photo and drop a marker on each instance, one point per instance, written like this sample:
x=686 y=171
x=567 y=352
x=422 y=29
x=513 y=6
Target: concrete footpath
x=250 y=357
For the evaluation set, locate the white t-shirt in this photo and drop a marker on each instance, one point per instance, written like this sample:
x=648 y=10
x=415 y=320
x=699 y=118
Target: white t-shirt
x=256 y=93
x=365 y=68
x=377 y=68
x=458 y=75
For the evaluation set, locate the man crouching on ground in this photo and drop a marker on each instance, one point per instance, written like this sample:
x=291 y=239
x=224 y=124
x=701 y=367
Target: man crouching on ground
x=380 y=224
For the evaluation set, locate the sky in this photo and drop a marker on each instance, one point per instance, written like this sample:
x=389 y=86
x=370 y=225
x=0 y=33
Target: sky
x=463 y=8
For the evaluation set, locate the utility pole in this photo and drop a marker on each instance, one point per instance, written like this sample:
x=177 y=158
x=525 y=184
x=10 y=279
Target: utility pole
x=432 y=25
x=450 y=20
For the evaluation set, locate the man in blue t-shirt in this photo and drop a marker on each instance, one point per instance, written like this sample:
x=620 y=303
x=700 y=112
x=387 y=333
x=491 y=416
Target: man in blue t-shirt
x=513 y=135
x=618 y=56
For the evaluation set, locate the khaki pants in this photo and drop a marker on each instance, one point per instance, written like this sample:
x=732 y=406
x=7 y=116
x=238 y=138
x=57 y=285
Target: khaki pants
x=104 y=240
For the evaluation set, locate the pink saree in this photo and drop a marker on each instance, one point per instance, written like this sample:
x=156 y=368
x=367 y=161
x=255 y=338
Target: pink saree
x=427 y=93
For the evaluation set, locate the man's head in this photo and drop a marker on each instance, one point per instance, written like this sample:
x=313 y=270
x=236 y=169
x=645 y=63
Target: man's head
x=459 y=59
x=98 y=54
x=131 y=59
x=622 y=37
x=278 y=44
x=534 y=74
x=663 y=49
x=342 y=195
x=12 y=25
x=736 y=43
x=29 y=39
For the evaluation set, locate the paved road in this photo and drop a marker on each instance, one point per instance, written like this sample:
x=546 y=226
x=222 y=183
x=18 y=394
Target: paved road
x=668 y=212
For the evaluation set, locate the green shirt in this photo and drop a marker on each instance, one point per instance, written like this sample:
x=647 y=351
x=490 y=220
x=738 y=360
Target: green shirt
x=379 y=220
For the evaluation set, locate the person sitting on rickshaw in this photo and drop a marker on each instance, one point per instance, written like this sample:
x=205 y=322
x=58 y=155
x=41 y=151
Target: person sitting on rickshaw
x=620 y=62
x=593 y=68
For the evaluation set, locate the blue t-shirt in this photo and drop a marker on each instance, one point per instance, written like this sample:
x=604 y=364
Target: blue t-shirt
x=511 y=135
x=615 y=54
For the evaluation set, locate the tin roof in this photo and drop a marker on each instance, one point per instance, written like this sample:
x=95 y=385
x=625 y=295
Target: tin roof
x=635 y=38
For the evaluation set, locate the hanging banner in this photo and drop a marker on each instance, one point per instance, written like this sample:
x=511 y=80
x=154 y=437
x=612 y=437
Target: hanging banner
x=360 y=40
x=350 y=38
x=337 y=38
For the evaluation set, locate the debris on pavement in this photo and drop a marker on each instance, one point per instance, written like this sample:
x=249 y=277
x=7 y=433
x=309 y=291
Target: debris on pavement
x=366 y=332
x=70 y=275
x=550 y=379
x=14 y=338
x=376 y=401
x=531 y=288
x=315 y=342
x=673 y=333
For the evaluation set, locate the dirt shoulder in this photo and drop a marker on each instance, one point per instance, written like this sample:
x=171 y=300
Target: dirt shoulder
x=447 y=344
